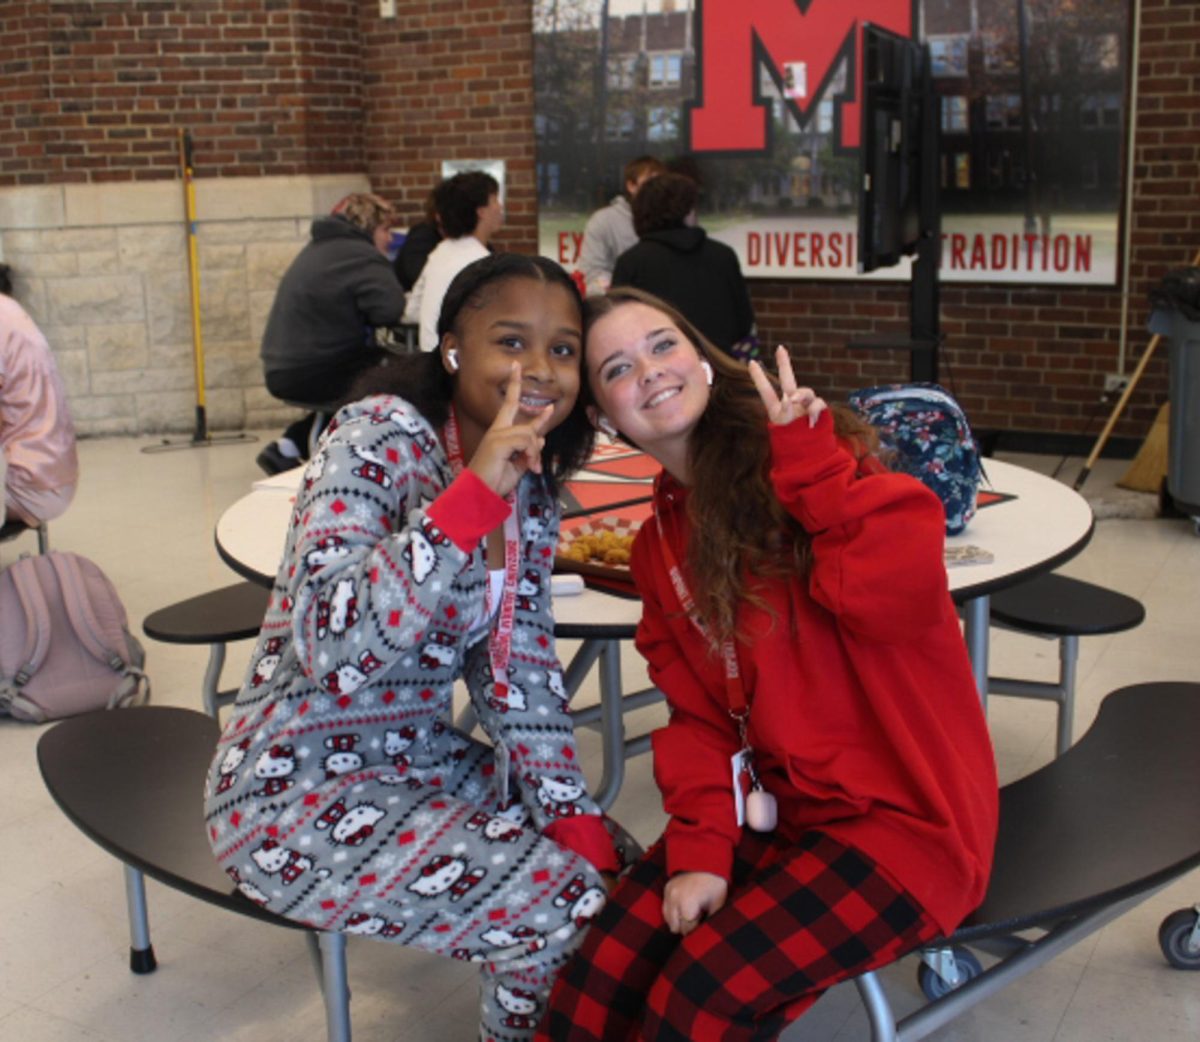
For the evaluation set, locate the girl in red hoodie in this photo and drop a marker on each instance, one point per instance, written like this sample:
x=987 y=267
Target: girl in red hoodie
x=826 y=765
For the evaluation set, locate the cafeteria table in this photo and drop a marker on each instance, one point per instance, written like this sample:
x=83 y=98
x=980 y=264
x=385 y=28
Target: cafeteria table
x=1027 y=524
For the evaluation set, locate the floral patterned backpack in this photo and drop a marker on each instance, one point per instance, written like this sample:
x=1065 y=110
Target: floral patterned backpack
x=925 y=428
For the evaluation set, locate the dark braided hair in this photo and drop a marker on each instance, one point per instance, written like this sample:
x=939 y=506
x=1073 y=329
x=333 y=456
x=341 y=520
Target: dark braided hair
x=422 y=380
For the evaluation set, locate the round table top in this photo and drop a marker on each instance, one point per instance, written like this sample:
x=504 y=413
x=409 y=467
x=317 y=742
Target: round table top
x=1041 y=525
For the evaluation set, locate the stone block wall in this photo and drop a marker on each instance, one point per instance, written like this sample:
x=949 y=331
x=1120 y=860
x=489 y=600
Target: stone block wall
x=114 y=297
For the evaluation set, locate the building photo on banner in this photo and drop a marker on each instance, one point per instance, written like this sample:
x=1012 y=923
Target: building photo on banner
x=762 y=104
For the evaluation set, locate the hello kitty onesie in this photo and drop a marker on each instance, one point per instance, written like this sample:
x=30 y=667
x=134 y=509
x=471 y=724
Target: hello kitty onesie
x=340 y=798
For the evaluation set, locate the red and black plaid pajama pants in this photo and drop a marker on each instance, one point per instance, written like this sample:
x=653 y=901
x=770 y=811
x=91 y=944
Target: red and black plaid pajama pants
x=800 y=917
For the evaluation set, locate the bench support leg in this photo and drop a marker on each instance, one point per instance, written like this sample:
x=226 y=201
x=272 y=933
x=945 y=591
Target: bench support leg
x=335 y=986
x=977 y=613
x=879 y=1010
x=612 y=725
x=141 y=951
x=210 y=689
x=1061 y=694
x=609 y=712
x=939 y=1013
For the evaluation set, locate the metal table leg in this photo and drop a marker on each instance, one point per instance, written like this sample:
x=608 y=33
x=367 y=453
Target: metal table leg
x=977 y=617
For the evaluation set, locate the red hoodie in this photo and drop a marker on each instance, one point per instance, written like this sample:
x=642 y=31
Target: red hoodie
x=864 y=716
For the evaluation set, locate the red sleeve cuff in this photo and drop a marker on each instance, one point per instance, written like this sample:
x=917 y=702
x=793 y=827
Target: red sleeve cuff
x=696 y=852
x=467 y=510
x=587 y=837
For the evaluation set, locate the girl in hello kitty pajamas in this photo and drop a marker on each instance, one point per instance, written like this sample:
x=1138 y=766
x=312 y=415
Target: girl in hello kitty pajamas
x=338 y=796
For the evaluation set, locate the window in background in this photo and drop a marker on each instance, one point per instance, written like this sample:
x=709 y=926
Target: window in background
x=622 y=72
x=662 y=123
x=955 y=118
x=666 y=69
x=825 y=117
x=1003 y=111
x=948 y=55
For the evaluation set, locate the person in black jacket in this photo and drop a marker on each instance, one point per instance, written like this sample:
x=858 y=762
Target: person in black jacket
x=320 y=332
x=676 y=261
x=420 y=241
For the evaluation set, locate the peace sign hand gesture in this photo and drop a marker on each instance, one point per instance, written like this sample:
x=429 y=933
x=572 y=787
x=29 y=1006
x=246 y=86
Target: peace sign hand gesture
x=508 y=449
x=792 y=401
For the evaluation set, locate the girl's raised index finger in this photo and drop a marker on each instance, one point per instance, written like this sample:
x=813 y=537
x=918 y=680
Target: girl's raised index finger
x=765 y=391
x=783 y=363
x=512 y=398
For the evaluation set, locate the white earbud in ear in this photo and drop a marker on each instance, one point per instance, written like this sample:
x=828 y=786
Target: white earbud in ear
x=708 y=373
x=452 y=359
x=605 y=424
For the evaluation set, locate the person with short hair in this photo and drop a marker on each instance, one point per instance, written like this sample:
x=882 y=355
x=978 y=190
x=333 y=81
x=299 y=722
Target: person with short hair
x=39 y=463
x=609 y=231
x=470 y=214
x=320 y=333
x=676 y=261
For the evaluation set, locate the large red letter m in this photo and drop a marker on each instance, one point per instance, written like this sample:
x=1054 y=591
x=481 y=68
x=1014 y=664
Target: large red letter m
x=737 y=35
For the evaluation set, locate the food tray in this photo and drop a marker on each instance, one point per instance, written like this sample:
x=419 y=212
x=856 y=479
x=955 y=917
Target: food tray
x=621 y=526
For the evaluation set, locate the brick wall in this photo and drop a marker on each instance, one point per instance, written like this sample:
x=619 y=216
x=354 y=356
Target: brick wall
x=450 y=79
x=94 y=91
x=97 y=91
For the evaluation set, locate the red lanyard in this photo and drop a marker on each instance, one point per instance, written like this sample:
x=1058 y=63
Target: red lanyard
x=500 y=636
x=735 y=690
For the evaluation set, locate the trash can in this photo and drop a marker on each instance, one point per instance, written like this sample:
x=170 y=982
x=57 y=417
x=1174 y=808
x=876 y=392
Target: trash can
x=1176 y=315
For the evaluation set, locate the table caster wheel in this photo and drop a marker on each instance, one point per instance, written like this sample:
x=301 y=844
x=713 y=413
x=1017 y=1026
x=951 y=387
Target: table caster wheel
x=1179 y=938
x=934 y=985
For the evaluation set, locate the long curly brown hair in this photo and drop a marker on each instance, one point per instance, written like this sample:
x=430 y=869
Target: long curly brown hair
x=747 y=533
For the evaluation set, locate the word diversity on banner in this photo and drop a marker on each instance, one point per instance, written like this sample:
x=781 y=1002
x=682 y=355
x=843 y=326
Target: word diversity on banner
x=761 y=102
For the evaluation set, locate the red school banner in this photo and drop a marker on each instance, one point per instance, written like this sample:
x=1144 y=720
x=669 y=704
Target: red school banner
x=760 y=101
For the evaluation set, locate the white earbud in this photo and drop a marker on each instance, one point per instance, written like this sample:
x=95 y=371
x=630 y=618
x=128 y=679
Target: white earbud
x=452 y=359
x=708 y=373
x=605 y=424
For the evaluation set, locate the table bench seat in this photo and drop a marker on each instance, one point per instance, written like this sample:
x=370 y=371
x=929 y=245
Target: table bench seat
x=133 y=782
x=1082 y=840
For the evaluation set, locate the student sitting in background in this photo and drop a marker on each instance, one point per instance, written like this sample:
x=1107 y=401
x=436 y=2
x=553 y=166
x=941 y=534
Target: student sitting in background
x=609 y=231
x=320 y=332
x=39 y=466
x=470 y=213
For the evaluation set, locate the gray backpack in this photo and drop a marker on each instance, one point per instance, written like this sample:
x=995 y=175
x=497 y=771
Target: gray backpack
x=65 y=645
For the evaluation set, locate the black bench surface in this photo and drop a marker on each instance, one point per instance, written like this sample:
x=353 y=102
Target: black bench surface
x=1060 y=605
x=1116 y=814
x=132 y=780
x=230 y=613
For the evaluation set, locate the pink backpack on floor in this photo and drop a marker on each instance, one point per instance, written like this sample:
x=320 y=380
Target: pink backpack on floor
x=65 y=646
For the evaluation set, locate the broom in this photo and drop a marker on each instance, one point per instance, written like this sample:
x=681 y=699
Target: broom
x=1149 y=466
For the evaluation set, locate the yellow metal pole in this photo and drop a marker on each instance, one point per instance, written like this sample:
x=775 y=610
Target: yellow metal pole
x=189 y=204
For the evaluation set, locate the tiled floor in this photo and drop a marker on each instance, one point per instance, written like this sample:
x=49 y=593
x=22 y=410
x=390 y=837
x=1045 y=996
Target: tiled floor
x=148 y=520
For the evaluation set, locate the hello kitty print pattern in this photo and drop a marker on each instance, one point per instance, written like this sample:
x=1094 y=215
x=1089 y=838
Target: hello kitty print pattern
x=338 y=795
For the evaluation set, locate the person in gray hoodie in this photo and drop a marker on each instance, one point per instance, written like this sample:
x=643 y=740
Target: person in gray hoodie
x=609 y=231
x=320 y=333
